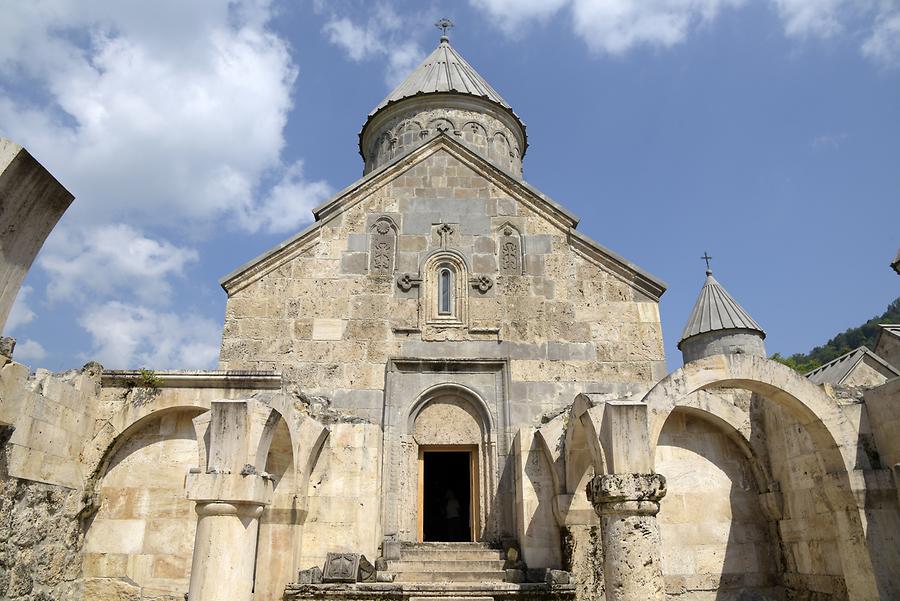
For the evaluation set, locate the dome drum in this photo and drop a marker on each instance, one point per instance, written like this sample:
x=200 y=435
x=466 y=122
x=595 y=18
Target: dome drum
x=489 y=131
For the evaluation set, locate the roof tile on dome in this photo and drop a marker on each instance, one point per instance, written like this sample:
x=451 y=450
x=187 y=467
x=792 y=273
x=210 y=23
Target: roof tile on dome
x=715 y=310
x=444 y=70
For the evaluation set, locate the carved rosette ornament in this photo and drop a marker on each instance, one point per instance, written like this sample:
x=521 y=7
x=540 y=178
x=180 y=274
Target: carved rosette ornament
x=406 y=282
x=482 y=283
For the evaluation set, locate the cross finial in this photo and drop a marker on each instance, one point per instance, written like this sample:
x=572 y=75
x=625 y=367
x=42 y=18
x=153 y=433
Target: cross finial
x=444 y=25
x=706 y=258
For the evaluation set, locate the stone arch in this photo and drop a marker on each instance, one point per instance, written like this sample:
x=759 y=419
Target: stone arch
x=142 y=515
x=459 y=390
x=820 y=414
x=474 y=425
x=501 y=150
x=442 y=125
x=407 y=134
x=713 y=521
x=122 y=423
x=833 y=437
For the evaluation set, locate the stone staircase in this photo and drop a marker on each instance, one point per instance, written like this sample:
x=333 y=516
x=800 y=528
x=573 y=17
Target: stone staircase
x=448 y=562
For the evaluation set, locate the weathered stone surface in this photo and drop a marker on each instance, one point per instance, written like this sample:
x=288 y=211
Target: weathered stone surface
x=40 y=540
x=33 y=201
x=311 y=576
x=341 y=567
x=367 y=572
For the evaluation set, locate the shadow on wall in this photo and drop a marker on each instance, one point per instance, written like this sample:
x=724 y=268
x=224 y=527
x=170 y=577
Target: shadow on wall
x=144 y=529
x=715 y=537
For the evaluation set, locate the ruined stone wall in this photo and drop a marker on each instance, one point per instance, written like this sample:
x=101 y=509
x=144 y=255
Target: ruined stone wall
x=45 y=421
x=40 y=540
x=883 y=411
x=564 y=323
x=715 y=538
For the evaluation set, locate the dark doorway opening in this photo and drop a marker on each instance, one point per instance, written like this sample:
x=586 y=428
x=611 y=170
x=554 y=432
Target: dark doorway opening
x=446 y=496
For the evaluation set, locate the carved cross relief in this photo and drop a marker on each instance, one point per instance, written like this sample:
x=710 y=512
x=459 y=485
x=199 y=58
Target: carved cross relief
x=382 y=247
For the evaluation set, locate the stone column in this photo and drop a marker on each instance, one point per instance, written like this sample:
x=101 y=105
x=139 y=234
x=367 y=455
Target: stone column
x=231 y=491
x=627 y=505
x=228 y=510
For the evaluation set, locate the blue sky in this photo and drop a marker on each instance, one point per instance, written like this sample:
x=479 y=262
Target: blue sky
x=197 y=135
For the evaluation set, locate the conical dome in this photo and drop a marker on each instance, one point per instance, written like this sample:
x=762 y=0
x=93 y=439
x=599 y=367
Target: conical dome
x=718 y=324
x=444 y=71
x=444 y=94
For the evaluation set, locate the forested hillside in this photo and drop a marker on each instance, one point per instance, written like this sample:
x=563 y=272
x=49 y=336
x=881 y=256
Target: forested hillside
x=848 y=340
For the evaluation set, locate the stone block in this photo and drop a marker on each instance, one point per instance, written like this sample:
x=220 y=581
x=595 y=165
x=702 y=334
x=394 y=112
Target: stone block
x=366 y=572
x=341 y=567
x=538 y=245
x=354 y=263
x=311 y=576
x=486 y=264
x=420 y=223
x=357 y=243
x=556 y=577
x=328 y=329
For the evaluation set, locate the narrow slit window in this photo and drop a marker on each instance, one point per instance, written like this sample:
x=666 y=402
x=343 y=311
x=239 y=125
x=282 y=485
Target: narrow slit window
x=445 y=294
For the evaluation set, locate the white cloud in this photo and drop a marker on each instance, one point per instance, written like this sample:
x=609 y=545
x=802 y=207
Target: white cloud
x=111 y=259
x=288 y=203
x=29 y=351
x=20 y=313
x=167 y=112
x=828 y=141
x=512 y=15
x=130 y=336
x=383 y=35
x=883 y=45
x=619 y=26
x=819 y=18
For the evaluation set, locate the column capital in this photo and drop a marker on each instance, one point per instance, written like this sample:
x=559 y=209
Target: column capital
x=229 y=489
x=626 y=494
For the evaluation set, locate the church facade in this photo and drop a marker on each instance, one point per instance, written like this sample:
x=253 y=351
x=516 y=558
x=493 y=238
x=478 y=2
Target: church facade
x=442 y=389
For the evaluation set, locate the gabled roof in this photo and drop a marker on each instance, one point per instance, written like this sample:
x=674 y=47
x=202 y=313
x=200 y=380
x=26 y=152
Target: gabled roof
x=277 y=256
x=837 y=370
x=887 y=329
x=444 y=70
x=715 y=310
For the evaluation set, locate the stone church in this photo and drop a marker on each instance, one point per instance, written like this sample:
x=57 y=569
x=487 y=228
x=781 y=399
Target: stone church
x=441 y=389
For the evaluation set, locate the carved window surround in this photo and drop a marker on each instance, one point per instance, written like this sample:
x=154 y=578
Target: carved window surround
x=428 y=282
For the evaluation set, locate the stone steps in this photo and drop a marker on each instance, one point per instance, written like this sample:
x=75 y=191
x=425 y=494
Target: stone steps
x=449 y=565
x=448 y=562
x=448 y=576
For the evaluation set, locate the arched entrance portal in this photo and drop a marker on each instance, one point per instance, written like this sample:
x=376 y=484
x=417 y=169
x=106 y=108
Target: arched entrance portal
x=450 y=441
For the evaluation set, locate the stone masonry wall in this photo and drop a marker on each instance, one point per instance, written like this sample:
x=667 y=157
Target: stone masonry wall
x=715 y=537
x=483 y=133
x=807 y=529
x=565 y=324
